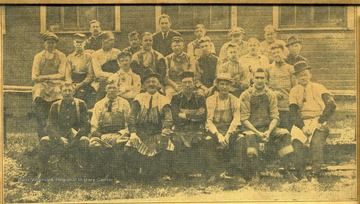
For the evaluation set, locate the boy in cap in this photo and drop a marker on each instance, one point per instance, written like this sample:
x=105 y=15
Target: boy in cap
x=270 y=35
x=193 y=48
x=237 y=35
x=135 y=43
x=48 y=71
x=79 y=71
x=311 y=105
x=104 y=62
x=162 y=39
x=129 y=83
x=294 y=46
x=281 y=80
x=176 y=63
x=94 y=43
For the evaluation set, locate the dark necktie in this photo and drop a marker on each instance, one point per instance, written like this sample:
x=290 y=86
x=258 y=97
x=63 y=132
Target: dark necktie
x=150 y=102
x=110 y=105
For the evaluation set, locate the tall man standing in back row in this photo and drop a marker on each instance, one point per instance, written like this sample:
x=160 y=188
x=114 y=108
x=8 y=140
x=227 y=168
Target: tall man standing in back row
x=94 y=43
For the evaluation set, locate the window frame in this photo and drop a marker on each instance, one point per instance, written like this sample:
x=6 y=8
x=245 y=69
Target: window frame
x=43 y=21
x=350 y=19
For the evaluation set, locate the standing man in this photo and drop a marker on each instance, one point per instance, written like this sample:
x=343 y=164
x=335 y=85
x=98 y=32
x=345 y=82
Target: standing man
x=259 y=117
x=311 y=105
x=237 y=35
x=281 y=80
x=80 y=72
x=104 y=62
x=162 y=39
x=135 y=43
x=48 y=71
x=109 y=133
x=294 y=46
x=193 y=48
x=94 y=43
x=270 y=35
x=67 y=129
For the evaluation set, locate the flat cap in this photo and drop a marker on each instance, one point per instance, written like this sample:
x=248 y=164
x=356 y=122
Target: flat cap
x=292 y=40
x=79 y=36
x=236 y=30
x=186 y=74
x=177 y=39
x=224 y=76
x=50 y=36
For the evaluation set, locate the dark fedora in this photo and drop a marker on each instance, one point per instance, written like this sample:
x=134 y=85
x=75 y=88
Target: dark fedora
x=301 y=66
x=186 y=74
x=292 y=40
x=148 y=74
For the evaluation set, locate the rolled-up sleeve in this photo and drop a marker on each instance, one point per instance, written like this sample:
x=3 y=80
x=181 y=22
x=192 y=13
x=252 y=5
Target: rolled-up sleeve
x=274 y=112
x=236 y=116
x=210 y=104
x=245 y=106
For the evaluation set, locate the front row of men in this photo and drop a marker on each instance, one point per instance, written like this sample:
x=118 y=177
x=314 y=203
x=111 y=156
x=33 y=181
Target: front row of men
x=154 y=136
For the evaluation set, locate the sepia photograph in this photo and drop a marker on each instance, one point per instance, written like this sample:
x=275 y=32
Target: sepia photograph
x=179 y=103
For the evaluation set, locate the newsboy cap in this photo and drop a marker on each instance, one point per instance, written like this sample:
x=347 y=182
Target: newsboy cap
x=79 y=36
x=50 y=36
x=186 y=74
x=292 y=40
x=177 y=39
x=236 y=30
x=225 y=77
x=301 y=66
x=107 y=35
x=148 y=74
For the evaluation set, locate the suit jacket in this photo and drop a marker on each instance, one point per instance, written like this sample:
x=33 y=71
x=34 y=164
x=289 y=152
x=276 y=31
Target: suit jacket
x=164 y=45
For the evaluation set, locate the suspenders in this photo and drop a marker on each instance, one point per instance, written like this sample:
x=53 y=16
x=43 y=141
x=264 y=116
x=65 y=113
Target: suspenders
x=77 y=107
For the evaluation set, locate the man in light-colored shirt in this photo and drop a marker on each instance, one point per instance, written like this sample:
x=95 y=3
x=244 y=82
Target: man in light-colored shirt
x=270 y=35
x=237 y=35
x=193 y=48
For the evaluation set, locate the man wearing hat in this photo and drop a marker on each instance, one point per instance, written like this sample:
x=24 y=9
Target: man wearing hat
x=237 y=35
x=104 y=62
x=294 y=46
x=129 y=83
x=270 y=35
x=79 y=71
x=259 y=116
x=48 y=71
x=311 y=105
x=135 y=43
x=162 y=39
x=109 y=133
x=94 y=43
x=281 y=80
x=193 y=48
x=223 y=118
x=189 y=115
x=176 y=62
x=150 y=126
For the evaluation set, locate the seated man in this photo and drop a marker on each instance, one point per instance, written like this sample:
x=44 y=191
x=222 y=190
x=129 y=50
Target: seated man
x=67 y=129
x=176 y=62
x=104 y=63
x=79 y=71
x=48 y=72
x=135 y=43
x=237 y=35
x=193 y=48
x=311 y=105
x=270 y=35
x=189 y=115
x=281 y=80
x=150 y=126
x=259 y=117
x=223 y=118
x=294 y=46
x=238 y=73
x=109 y=133
x=128 y=82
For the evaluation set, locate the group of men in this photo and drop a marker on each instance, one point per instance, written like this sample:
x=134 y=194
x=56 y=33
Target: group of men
x=157 y=110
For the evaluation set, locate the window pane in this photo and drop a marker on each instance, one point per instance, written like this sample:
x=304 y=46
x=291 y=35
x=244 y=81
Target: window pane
x=106 y=16
x=70 y=17
x=321 y=14
x=53 y=18
x=287 y=15
x=220 y=17
x=86 y=14
x=338 y=15
x=303 y=16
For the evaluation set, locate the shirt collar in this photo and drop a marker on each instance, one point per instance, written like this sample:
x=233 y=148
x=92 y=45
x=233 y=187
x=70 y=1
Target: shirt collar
x=121 y=71
x=184 y=96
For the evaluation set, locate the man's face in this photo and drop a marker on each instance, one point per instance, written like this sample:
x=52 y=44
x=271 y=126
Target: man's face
x=95 y=29
x=270 y=36
x=108 y=44
x=188 y=84
x=67 y=92
x=253 y=47
x=232 y=53
x=199 y=33
x=134 y=41
x=112 y=91
x=164 y=24
x=237 y=38
x=205 y=47
x=278 y=54
x=259 y=80
x=50 y=45
x=224 y=86
x=124 y=62
x=295 y=48
x=147 y=42
x=79 y=44
x=303 y=77
x=151 y=85
x=177 y=47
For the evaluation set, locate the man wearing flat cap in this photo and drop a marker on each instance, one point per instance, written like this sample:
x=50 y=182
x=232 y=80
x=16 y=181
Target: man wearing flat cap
x=237 y=35
x=150 y=126
x=294 y=46
x=104 y=62
x=80 y=72
x=48 y=71
x=193 y=48
x=189 y=115
x=176 y=63
x=311 y=105
x=223 y=118
x=270 y=35
x=93 y=43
